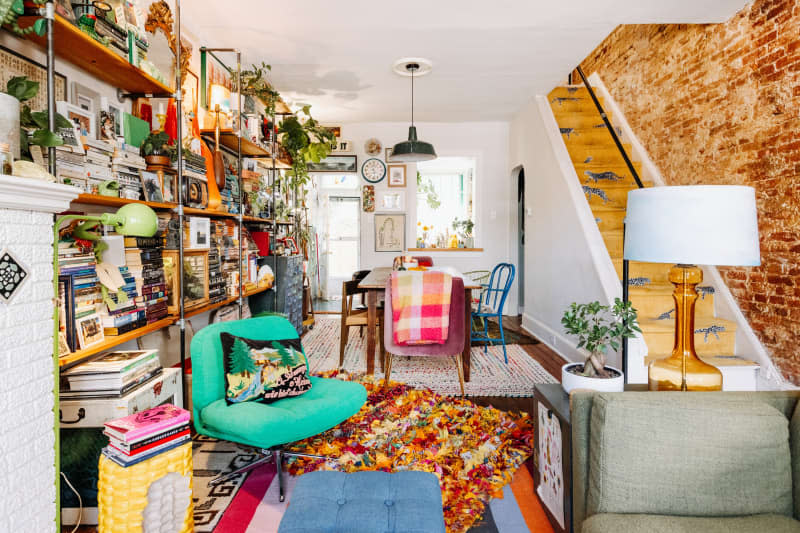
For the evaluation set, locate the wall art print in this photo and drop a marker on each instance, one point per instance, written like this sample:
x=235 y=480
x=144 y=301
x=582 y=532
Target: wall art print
x=390 y=233
x=368 y=198
x=13 y=64
x=551 y=484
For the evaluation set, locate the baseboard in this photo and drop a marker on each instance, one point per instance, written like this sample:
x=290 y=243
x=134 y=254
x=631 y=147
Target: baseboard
x=551 y=338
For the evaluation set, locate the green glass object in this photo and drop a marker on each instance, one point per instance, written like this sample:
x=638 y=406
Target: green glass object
x=136 y=220
x=413 y=149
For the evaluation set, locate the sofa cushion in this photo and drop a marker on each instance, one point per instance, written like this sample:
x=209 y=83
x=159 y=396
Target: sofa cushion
x=794 y=439
x=695 y=455
x=642 y=523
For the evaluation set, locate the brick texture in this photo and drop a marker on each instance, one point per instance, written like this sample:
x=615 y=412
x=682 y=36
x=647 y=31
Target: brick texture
x=720 y=104
x=27 y=485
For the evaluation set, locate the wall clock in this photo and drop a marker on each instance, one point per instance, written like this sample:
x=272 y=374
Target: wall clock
x=373 y=146
x=373 y=170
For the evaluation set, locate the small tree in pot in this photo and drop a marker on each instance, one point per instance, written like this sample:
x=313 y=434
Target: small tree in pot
x=599 y=327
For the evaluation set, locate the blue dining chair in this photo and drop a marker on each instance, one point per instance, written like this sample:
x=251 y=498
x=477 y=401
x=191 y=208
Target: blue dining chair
x=491 y=305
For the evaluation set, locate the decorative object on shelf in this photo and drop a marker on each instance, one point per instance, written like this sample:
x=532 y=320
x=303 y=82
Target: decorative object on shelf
x=85 y=98
x=14 y=65
x=391 y=200
x=151 y=185
x=690 y=225
x=12 y=275
x=373 y=146
x=156 y=150
x=84 y=119
x=336 y=163
x=64 y=8
x=368 y=198
x=199 y=233
x=169 y=184
x=11 y=10
x=109 y=188
x=397 y=175
x=90 y=330
x=413 y=149
x=190 y=100
x=373 y=170
x=464 y=230
x=390 y=232
x=9 y=126
x=108 y=126
x=255 y=83
x=87 y=24
x=195 y=192
x=159 y=17
x=22 y=89
x=599 y=329
x=220 y=104
x=195 y=278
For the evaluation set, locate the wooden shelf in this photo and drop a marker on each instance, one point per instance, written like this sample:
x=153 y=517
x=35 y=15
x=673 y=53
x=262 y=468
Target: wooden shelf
x=208 y=213
x=114 y=201
x=229 y=140
x=78 y=48
x=445 y=249
x=111 y=341
x=211 y=307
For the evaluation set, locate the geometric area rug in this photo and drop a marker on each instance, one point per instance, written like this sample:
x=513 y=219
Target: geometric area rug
x=490 y=375
x=475 y=452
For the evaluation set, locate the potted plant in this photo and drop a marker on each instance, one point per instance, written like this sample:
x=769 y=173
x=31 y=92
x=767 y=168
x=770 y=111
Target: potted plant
x=156 y=150
x=254 y=83
x=464 y=229
x=598 y=327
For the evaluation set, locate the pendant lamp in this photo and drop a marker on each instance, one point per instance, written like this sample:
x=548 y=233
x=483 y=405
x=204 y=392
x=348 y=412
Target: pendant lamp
x=413 y=149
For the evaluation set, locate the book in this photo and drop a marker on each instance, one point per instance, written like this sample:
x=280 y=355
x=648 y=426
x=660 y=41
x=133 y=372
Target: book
x=112 y=393
x=126 y=328
x=143 y=242
x=121 y=361
x=150 y=443
x=145 y=423
x=105 y=382
x=123 y=461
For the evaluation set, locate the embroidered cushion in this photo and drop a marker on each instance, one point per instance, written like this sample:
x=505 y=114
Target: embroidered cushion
x=263 y=370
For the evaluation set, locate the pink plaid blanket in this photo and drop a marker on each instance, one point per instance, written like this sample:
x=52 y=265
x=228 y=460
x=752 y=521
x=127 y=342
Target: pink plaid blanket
x=420 y=307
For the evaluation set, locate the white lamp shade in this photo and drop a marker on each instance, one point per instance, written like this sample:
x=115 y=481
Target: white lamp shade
x=698 y=224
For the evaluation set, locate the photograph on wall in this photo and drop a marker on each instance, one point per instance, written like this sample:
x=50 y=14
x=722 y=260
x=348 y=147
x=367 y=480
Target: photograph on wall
x=90 y=330
x=368 y=198
x=388 y=156
x=335 y=163
x=13 y=64
x=390 y=232
x=80 y=117
x=397 y=175
x=390 y=201
x=151 y=184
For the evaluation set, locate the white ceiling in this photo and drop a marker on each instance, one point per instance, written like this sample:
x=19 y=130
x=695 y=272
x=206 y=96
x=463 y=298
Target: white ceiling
x=489 y=58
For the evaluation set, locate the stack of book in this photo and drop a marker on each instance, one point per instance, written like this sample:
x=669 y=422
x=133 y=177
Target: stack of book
x=230 y=195
x=140 y=436
x=70 y=165
x=193 y=165
x=98 y=162
x=145 y=263
x=111 y=375
x=122 y=314
x=216 y=281
x=228 y=241
x=79 y=290
x=125 y=166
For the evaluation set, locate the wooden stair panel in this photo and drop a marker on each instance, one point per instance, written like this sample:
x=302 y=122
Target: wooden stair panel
x=573 y=104
x=713 y=336
x=597 y=174
x=653 y=272
x=598 y=155
x=581 y=121
x=655 y=300
x=569 y=90
x=586 y=136
x=608 y=217
x=613 y=240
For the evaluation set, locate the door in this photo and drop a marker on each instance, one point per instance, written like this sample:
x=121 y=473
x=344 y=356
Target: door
x=521 y=239
x=343 y=241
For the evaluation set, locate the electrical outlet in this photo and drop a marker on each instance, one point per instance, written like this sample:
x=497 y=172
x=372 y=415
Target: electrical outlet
x=553 y=340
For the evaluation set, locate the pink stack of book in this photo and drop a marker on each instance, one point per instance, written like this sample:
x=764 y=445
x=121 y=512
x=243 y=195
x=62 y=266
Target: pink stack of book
x=140 y=436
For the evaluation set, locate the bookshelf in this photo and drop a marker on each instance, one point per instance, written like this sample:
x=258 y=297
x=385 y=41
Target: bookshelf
x=228 y=139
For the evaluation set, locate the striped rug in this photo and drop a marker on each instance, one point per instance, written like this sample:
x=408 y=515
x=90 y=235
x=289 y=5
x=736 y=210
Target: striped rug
x=490 y=375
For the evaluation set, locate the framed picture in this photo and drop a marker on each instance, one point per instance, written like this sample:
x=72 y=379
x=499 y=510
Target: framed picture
x=342 y=146
x=195 y=278
x=82 y=118
x=335 y=163
x=212 y=72
x=85 y=98
x=90 y=330
x=199 y=232
x=151 y=185
x=368 y=198
x=390 y=232
x=64 y=8
x=388 y=156
x=336 y=130
x=169 y=186
x=13 y=64
x=108 y=126
x=391 y=201
x=191 y=94
x=397 y=175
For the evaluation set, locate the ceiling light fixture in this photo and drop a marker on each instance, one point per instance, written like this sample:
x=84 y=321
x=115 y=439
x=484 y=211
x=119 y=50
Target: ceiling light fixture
x=413 y=149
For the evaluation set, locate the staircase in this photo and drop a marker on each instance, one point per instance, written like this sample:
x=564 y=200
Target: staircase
x=606 y=180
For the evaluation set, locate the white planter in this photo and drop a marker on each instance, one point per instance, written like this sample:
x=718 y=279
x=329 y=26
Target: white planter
x=572 y=381
x=9 y=123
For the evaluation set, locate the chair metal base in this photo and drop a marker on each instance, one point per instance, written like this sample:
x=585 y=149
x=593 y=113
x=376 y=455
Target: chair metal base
x=389 y=360
x=276 y=454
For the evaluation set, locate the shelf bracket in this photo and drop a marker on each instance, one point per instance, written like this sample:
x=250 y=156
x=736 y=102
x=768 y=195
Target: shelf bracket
x=122 y=95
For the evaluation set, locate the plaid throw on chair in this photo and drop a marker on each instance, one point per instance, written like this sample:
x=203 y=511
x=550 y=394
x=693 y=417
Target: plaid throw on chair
x=420 y=307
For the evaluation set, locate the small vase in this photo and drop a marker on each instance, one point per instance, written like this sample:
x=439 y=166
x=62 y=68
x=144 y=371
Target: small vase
x=469 y=242
x=9 y=123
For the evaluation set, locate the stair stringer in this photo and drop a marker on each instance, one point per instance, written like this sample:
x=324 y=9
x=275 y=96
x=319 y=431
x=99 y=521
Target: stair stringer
x=609 y=286
x=725 y=306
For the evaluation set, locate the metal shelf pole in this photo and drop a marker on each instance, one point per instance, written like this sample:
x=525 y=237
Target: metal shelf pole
x=179 y=142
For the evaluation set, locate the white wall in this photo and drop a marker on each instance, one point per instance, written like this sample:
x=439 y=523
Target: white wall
x=487 y=142
x=565 y=258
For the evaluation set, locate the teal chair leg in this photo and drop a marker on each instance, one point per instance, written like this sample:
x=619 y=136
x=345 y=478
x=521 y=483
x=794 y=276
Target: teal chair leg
x=485 y=335
x=503 y=337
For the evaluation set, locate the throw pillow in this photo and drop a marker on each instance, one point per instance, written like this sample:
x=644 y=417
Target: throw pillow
x=263 y=370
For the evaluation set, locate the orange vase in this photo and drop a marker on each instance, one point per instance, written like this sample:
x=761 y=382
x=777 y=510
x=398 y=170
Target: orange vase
x=214 y=199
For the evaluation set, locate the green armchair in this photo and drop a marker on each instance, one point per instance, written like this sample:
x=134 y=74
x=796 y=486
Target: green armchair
x=264 y=426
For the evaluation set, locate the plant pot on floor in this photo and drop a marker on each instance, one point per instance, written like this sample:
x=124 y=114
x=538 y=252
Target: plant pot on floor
x=570 y=380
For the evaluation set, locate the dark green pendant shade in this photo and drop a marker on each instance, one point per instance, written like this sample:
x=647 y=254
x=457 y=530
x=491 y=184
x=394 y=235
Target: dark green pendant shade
x=413 y=150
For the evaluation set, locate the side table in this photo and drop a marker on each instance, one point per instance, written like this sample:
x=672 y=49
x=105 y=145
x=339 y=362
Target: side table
x=553 y=455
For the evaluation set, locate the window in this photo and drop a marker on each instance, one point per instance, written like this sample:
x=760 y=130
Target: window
x=445 y=215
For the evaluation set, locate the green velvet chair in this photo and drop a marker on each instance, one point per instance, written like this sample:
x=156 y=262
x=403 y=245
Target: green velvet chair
x=264 y=426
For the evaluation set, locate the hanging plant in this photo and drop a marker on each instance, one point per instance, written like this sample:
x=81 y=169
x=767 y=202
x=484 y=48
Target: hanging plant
x=11 y=10
x=254 y=83
x=304 y=140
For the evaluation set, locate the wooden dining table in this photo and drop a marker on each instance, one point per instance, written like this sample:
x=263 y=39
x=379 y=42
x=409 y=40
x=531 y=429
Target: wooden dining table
x=375 y=283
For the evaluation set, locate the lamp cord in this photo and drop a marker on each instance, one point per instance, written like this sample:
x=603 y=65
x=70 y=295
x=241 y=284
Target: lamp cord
x=80 y=503
x=412 y=96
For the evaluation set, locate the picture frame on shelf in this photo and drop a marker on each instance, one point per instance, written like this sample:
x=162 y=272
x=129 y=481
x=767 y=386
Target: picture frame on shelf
x=169 y=186
x=83 y=118
x=195 y=279
x=335 y=163
x=85 y=98
x=199 y=233
x=151 y=186
x=90 y=330
x=390 y=232
x=397 y=175
x=108 y=126
x=13 y=64
x=391 y=201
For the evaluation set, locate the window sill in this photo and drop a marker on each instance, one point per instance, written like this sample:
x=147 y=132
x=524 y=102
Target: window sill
x=445 y=249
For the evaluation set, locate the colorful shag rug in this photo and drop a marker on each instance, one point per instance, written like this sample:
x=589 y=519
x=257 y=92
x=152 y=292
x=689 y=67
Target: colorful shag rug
x=474 y=451
x=490 y=375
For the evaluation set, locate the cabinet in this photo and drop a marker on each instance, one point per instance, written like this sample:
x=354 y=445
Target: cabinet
x=553 y=455
x=288 y=297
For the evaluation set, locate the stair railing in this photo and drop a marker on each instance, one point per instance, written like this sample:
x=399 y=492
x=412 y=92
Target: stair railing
x=639 y=184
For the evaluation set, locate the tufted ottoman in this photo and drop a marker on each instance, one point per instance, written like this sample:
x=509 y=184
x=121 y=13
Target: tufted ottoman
x=365 y=502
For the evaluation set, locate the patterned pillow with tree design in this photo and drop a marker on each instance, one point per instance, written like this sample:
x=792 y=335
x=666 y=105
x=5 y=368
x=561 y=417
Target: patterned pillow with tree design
x=264 y=371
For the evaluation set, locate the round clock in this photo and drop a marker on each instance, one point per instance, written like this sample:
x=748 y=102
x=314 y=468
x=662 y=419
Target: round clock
x=373 y=170
x=373 y=146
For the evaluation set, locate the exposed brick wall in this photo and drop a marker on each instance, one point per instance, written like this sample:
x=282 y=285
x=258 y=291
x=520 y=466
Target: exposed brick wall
x=720 y=104
x=27 y=489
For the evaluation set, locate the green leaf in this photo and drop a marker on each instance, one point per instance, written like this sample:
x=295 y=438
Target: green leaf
x=62 y=122
x=39 y=118
x=46 y=138
x=25 y=118
x=22 y=88
x=18 y=7
x=40 y=26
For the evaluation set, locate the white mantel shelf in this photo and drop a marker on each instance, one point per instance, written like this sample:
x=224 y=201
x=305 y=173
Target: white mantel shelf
x=28 y=194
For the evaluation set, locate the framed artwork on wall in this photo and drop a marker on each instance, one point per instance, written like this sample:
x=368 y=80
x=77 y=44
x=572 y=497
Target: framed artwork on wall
x=335 y=163
x=368 y=198
x=397 y=175
x=391 y=201
x=212 y=72
x=13 y=64
x=388 y=155
x=390 y=232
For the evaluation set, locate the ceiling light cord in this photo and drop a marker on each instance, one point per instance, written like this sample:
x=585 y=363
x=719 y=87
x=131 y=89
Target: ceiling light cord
x=412 y=95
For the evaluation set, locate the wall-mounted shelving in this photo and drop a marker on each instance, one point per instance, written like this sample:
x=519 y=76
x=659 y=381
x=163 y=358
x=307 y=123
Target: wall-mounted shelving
x=228 y=139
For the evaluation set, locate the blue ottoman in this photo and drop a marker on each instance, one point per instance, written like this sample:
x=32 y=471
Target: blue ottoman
x=365 y=502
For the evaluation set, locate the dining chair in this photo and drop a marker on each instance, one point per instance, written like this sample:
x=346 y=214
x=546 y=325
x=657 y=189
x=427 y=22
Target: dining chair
x=491 y=305
x=454 y=345
x=423 y=260
x=358 y=275
x=354 y=317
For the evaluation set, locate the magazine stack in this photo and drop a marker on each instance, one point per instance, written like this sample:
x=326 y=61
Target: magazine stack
x=140 y=436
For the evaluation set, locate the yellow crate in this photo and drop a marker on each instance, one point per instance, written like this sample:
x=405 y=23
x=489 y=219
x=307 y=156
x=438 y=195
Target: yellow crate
x=123 y=493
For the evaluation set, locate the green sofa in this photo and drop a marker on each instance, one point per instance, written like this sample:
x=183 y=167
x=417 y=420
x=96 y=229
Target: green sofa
x=707 y=462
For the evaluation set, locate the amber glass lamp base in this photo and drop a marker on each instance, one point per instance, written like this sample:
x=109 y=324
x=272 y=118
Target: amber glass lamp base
x=683 y=370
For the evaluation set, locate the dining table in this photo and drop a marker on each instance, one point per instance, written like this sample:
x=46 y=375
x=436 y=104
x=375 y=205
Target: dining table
x=375 y=284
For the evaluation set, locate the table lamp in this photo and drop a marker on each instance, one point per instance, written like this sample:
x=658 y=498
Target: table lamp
x=219 y=102
x=690 y=225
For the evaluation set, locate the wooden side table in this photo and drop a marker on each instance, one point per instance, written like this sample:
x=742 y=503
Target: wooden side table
x=553 y=455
